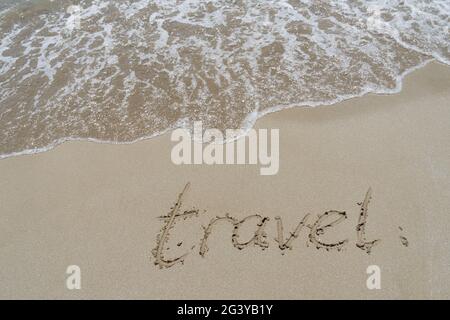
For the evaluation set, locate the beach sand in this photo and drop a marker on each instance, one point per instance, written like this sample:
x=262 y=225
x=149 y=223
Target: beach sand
x=97 y=206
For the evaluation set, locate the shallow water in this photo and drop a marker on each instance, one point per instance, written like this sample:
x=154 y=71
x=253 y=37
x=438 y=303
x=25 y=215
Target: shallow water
x=120 y=71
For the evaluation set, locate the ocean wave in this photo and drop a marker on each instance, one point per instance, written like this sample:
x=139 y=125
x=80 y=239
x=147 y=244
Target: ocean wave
x=122 y=71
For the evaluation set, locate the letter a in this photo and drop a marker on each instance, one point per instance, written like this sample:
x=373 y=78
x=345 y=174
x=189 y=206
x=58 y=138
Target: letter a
x=374 y=280
x=73 y=281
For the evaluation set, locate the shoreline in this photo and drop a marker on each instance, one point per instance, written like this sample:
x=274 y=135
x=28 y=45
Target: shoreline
x=249 y=121
x=99 y=206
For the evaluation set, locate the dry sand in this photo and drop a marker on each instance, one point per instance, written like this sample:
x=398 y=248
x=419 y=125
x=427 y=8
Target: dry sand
x=97 y=206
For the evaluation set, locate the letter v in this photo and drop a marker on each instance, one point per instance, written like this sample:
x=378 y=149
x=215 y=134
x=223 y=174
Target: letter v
x=288 y=244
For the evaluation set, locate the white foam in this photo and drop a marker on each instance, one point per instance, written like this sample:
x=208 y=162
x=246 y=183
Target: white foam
x=225 y=63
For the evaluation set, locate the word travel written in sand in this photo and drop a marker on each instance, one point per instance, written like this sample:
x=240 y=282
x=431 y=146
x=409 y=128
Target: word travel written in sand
x=314 y=228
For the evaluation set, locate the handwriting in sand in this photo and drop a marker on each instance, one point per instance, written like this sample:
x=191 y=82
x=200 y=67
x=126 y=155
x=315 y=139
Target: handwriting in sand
x=317 y=228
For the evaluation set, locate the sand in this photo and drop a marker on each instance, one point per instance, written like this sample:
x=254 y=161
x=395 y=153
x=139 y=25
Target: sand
x=97 y=206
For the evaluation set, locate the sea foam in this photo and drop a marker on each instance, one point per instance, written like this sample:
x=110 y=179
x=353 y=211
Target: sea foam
x=122 y=71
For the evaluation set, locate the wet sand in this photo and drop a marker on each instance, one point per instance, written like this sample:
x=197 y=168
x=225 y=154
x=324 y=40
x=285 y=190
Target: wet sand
x=99 y=206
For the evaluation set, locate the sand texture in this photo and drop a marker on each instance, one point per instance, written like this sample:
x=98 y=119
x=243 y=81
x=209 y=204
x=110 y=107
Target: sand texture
x=382 y=159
